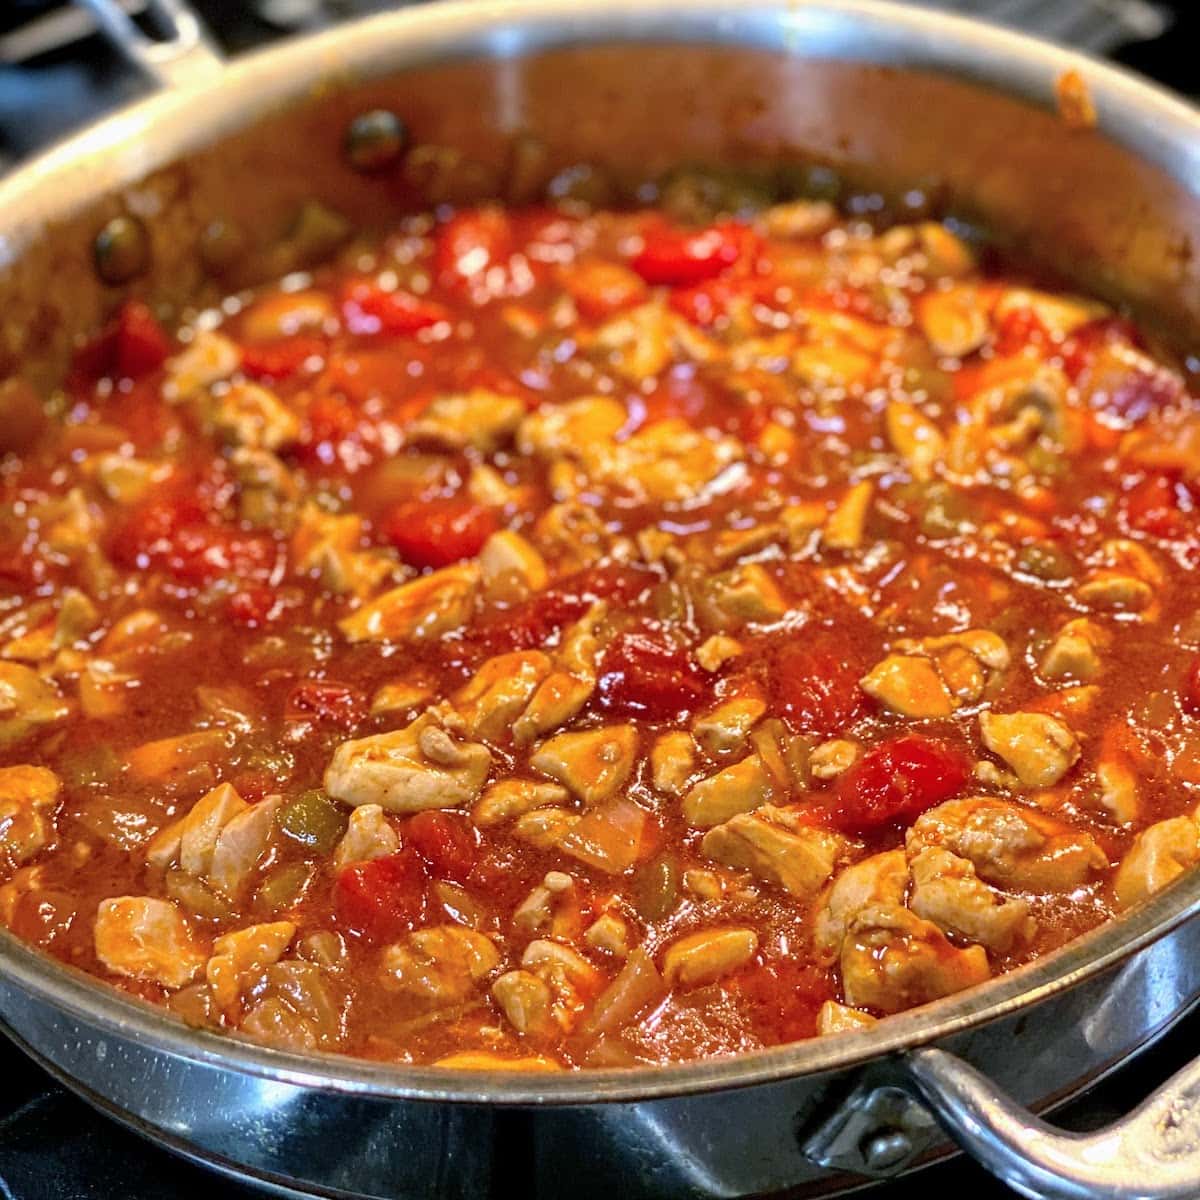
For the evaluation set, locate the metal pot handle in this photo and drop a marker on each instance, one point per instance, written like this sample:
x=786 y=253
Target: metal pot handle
x=1151 y=1154
x=183 y=54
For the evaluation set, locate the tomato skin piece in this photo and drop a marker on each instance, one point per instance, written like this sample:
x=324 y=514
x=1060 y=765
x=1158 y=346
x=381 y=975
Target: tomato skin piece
x=817 y=686
x=896 y=781
x=1189 y=689
x=148 y=528
x=369 y=309
x=282 y=358
x=325 y=701
x=132 y=345
x=436 y=533
x=448 y=842
x=1154 y=507
x=471 y=242
x=381 y=899
x=681 y=258
x=253 y=606
x=642 y=673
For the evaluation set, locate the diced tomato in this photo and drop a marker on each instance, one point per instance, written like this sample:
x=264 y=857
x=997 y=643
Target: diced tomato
x=601 y=289
x=1018 y=328
x=532 y=624
x=448 y=843
x=705 y=303
x=369 y=309
x=816 y=682
x=1157 y=507
x=471 y=242
x=281 y=358
x=896 y=781
x=435 y=533
x=253 y=606
x=172 y=532
x=643 y=673
x=148 y=528
x=682 y=258
x=383 y=898
x=1080 y=348
x=132 y=345
x=326 y=701
x=1189 y=691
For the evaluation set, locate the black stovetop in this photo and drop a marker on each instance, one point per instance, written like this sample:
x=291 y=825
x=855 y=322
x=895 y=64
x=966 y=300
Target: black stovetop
x=53 y=79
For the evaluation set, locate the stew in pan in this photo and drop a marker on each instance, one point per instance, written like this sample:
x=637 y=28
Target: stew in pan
x=551 y=638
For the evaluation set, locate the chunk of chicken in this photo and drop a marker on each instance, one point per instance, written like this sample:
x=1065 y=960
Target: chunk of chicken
x=545 y=828
x=714 y=652
x=800 y=860
x=527 y=1003
x=26 y=701
x=706 y=956
x=592 y=763
x=609 y=934
x=562 y=430
x=369 y=835
x=739 y=788
x=833 y=1017
x=500 y=691
x=550 y=908
x=572 y=980
x=404 y=696
x=508 y=799
x=947 y=892
x=1039 y=748
x=327 y=544
x=146 y=938
x=421 y=766
x=847 y=523
x=511 y=566
x=250 y=415
x=418 y=611
x=478 y=419
x=1011 y=846
x=672 y=761
x=723 y=730
x=881 y=879
x=219 y=841
x=1159 y=855
x=1125 y=580
x=892 y=960
x=830 y=759
x=207 y=359
x=439 y=966
x=1117 y=788
x=1076 y=651
x=953 y=320
x=667 y=462
x=1059 y=315
x=933 y=676
x=745 y=595
x=28 y=800
x=799 y=219
x=915 y=438
x=294 y=1007
x=243 y=952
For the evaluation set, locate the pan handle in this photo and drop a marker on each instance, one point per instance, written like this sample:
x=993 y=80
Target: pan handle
x=182 y=54
x=1151 y=1154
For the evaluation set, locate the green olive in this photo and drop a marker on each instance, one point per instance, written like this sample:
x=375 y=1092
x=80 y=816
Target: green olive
x=375 y=140
x=313 y=820
x=1045 y=560
x=656 y=888
x=122 y=250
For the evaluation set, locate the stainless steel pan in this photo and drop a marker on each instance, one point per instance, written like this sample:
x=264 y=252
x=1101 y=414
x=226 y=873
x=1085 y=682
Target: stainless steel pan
x=228 y=156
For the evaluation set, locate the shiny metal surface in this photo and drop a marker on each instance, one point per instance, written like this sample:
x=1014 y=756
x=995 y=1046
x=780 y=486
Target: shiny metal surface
x=883 y=89
x=184 y=53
